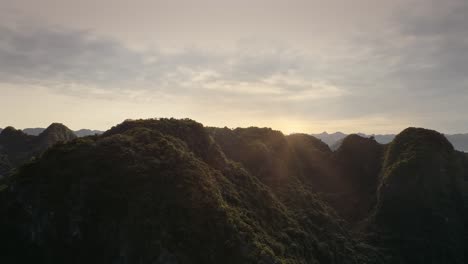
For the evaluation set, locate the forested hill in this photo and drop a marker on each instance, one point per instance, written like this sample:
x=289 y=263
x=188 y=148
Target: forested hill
x=420 y=199
x=17 y=148
x=174 y=191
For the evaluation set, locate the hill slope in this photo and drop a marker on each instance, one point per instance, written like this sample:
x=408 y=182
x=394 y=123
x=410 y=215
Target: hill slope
x=17 y=148
x=420 y=208
x=173 y=191
x=162 y=191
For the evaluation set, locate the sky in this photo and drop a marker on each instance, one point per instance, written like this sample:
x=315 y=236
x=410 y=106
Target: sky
x=307 y=66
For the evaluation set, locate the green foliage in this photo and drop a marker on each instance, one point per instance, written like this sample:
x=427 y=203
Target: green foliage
x=420 y=210
x=5 y=165
x=173 y=191
x=162 y=191
x=17 y=148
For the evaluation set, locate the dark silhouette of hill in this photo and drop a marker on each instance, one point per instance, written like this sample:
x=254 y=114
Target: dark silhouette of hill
x=358 y=161
x=162 y=191
x=174 y=191
x=78 y=133
x=420 y=205
x=17 y=148
x=347 y=179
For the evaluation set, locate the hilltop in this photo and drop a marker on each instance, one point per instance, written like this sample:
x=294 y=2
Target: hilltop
x=459 y=141
x=164 y=191
x=420 y=202
x=16 y=147
x=174 y=191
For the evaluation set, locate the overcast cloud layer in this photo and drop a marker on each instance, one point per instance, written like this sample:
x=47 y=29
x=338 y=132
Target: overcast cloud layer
x=298 y=66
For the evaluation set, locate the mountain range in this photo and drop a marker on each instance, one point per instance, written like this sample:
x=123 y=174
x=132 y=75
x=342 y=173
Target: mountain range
x=78 y=133
x=174 y=191
x=459 y=141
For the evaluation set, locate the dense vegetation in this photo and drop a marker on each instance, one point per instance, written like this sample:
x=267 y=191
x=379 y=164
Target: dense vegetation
x=173 y=191
x=421 y=199
x=16 y=147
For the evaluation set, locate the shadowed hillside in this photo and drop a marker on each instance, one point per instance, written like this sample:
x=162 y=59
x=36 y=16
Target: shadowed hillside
x=358 y=161
x=420 y=207
x=162 y=191
x=16 y=147
x=173 y=191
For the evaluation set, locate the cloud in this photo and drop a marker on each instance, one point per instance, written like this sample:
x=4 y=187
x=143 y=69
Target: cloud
x=64 y=56
x=427 y=44
x=414 y=66
x=407 y=67
x=70 y=60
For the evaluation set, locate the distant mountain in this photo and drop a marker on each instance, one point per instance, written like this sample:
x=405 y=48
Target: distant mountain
x=383 y=139
x=33 y=131
x=459 y=141
x=334 y=139
x=78 y=133
x=330 y=139
x=87 y=132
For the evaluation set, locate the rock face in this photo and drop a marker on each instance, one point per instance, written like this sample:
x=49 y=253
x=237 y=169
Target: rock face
x=420 y=205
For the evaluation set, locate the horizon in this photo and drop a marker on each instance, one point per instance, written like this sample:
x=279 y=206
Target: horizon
x=232 y=128
x=296 y=66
